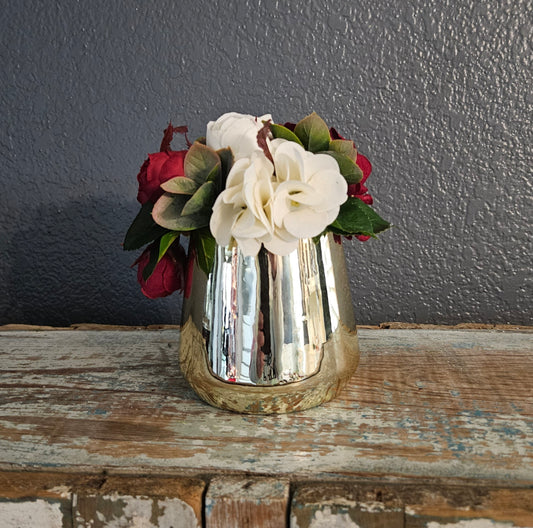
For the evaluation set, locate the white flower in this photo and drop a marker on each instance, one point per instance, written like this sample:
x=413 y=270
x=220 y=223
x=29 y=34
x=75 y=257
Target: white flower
x=237 y=131
x=277 y=205
x=241 y=211
x=310 y=192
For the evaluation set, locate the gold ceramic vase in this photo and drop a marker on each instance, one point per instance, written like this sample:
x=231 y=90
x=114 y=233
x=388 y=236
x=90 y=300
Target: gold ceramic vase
x=270 y=334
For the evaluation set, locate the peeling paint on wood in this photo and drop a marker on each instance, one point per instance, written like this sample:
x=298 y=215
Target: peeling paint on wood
x=102 y=500
x=345 y=505
x=33 y=500
x=147 y=502
x=477 y=523
x=422 y=402
x=369 y=502
x=247 y=503
x=117 y=511
x=32 y=514
x=448 y=505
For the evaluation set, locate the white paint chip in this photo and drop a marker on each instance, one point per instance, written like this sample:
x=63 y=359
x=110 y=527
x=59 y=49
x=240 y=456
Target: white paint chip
x=325 y=518
x=30 y=514
x=137 y=513
x=62 y=491
x=474 y=523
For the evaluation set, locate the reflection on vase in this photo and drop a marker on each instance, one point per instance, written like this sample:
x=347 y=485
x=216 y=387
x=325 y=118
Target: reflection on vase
x=266 y=318
x=270 y=334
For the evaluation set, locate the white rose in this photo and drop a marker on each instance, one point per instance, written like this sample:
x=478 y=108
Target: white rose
x=310 y=192
x=242 y=210
x=237 y=131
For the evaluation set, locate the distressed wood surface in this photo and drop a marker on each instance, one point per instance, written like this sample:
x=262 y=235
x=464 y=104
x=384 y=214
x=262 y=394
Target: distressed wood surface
x=345 y=505
x=423 y=403
x=247 y=502
x=147 y=502
x=70 y=500
x=30 y=499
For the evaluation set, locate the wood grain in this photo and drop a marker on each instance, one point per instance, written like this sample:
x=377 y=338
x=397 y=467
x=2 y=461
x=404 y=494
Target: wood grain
x=347 y=505
x=423 y=403
x=471 y=506
x=158 y=502
x=251 y=502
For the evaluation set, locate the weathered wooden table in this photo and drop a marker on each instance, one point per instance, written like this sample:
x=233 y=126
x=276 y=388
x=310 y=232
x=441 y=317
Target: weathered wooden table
x=98 y=428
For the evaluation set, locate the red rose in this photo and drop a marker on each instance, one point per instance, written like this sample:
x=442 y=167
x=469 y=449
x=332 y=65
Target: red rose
x=359 y=190
x=157 y=169
x=168 y=275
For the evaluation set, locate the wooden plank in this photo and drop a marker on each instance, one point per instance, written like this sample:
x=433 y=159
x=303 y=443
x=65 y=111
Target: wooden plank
x=346 y=505
x=468 y=507
x=150 y=502
x=422 y=504
x=30 y=513
x=449 y=404
x=70 y=499
x=27 y=501
x=247 y=503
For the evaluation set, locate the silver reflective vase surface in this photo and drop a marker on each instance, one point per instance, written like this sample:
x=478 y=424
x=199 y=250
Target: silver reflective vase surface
x=270 y=334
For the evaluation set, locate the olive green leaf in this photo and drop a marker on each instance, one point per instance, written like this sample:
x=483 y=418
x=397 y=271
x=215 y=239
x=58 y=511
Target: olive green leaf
x=226 y=160
x=204 y=244
x=344 y=146
x=214 y=175
x=199 y=162
x=201 y=200
x=168 y=213
x=313 y=133
x=351 y=172
x=180 y=185
x=279 y=131
x=165 y=242
x=357 y=218
x=143 y=229
x=192 y=222
x=157 y=251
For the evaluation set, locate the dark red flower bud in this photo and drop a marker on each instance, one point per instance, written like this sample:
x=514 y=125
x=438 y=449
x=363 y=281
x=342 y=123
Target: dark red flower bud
x=168 y=275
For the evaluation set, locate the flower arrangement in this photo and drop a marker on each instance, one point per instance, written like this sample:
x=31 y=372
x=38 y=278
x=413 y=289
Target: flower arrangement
x=250 y=182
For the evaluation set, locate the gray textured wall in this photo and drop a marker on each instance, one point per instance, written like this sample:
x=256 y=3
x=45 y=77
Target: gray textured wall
x=436 y=93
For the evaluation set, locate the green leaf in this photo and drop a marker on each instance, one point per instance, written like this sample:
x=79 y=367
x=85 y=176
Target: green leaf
x=165 y=242
x=202 y=200
x=192 y=222
x=167 y=210
x=204 y=244
x=357 y=218
x=214 y=175
x=180 y=185
x=344 y=146
x=279 y=131
x=313 y=133
x=226 y=159
x=152 y=263
x=157 y=251
x=351 y=172
x=143 y=229
x=199 y=162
